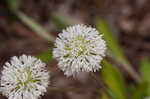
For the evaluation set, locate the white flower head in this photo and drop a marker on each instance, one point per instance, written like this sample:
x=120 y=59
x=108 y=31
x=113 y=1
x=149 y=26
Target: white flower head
x=24 y=77
x=78 y=49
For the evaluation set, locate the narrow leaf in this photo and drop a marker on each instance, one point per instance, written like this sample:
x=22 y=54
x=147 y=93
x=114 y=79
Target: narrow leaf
x=35 y=27
x=114 y=80
x=140 y=91
x=145 y=71
x=104 y=96
x=112 y=42
x=115 y=49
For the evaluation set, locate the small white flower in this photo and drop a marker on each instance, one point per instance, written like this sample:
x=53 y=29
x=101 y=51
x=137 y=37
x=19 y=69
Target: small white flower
x=79 y=48
x=24 y=77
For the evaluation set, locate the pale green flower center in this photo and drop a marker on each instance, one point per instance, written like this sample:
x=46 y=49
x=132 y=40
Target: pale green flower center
x=77 y=46
x=25 y=78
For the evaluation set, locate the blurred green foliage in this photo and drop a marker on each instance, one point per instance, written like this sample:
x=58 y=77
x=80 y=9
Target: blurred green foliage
x=35 y=27
x=46 y=56
x=114 y=47
x=104 y=96
x=140 y=91
x=114 y=80
x=109 y=37
x=145 y=72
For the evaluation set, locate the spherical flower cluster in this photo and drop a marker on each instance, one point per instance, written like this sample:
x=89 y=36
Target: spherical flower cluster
x=79 y=48
x=24 y=77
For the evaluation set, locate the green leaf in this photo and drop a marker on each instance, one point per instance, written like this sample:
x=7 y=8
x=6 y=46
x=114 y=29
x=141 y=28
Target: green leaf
x=115 y=49
x=104 y=96
x=140 y=91
x=114 y=80
x=46 y=56
x=37 y=28
x=109 y=37
x=145 y=71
